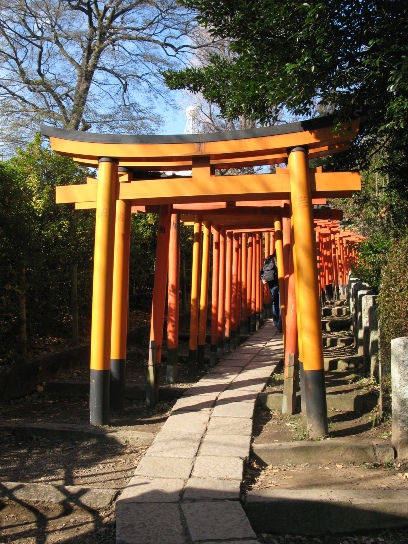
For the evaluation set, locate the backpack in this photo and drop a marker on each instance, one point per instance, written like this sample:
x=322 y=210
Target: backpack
x=269 y=271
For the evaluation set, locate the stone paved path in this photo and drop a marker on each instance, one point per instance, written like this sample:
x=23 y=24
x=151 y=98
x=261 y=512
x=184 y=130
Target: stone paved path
x=186 y=489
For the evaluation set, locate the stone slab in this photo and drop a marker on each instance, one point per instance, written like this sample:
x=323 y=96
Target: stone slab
x=245 y=384
x=145 y=489
x=229 y=425
x=226 y=446
x=95 y=498
x=208 y=387
x=317 y=511
x=220 y=520
x=195 y=403
x=212 y=489
x=230 y=468
x=173 y=444
x=303 y=451
x=187 y=422
x=164 y=467
x=149 y=523
x=231 y=395
x=240 y=408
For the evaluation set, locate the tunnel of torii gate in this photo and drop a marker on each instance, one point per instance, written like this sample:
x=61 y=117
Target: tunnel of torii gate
x=240 y=210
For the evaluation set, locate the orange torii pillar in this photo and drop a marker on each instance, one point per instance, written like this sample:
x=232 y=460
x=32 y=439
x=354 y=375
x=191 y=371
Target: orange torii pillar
x=267 y=299
x=336 y=292
x=308 y=301
x=234 y=291
x=205 y=271
x=329 y=265
x=228 y=291
x=250 y=251
x=244 y=284
x=254 y=281
x=120 y=297
x=173 y=300
x=281 y=269
x=258 y=284
x=320 y=265
x=238 y=318
x=214 y=294
x=291 y=368
x=158 y=306
x=102 y=291
x=334 y=232
x=221 y=295
x=195 y=288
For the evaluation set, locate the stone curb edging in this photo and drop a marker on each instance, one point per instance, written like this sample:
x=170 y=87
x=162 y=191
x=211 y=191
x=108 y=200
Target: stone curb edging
x=317 y=511
x=298 y=452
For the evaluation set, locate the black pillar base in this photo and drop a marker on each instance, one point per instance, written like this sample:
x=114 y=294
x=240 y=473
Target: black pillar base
x=117 y=384
x=234 y=341
x=302 y=388
x=329 y=293
x=316 y=405
x=192 y=361
x=213 y=355
x=172 y=367
x=200 y=355
x=227 y=344
x=99 y=397
x=244 y=327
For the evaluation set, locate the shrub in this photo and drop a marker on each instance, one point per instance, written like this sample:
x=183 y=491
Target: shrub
x=372 y=257
x=393 y=299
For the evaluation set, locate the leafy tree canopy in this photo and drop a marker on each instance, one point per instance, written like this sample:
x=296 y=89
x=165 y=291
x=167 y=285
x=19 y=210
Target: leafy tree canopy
x=306 y=57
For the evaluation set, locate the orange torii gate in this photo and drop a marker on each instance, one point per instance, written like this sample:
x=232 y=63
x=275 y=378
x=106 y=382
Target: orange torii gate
x=264 y=221
x=118 y=157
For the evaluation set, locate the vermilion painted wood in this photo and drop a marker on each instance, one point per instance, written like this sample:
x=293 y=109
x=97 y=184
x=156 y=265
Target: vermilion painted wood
x=281 y=268
x=228 y=289
x=160 y=282
x=204 y=291
x=120 y=292
x=195 y=287
x=221 y=294
x=250 y=252
x=103 y=266
x=244 y=278
x=215 y=285
x=308 y=304
x=173 y=287
x=234 y=287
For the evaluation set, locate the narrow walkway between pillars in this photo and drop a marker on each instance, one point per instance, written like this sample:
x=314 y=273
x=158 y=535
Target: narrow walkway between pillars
x=186 y=489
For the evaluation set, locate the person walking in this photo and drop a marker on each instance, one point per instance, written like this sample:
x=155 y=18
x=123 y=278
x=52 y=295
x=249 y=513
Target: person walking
x=269 y=275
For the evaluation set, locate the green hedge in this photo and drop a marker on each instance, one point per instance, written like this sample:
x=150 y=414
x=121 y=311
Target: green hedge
x=393 y=299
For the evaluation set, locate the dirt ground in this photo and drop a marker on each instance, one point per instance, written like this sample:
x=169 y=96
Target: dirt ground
x=110 y=464
x=63 y=461
x=272 y=428
x=362 y=428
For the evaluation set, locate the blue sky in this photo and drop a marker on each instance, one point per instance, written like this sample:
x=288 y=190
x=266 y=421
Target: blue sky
x=175 y=123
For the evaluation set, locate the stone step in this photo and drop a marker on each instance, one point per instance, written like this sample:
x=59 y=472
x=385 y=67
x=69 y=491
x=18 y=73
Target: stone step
x=336 y=324
x=336 y=311
x=343 y=362
x=337 y=341
x=316 y=511
x=359 y=401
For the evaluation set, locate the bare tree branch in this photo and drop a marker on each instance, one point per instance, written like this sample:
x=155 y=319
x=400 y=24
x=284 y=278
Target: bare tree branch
x=72 y=62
